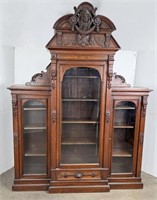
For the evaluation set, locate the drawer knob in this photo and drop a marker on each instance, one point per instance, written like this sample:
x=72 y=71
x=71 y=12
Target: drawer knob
x=79 y=175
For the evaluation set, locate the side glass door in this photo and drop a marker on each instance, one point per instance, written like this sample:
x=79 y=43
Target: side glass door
x=123 y=137
x=81 y=89
x=34 y=137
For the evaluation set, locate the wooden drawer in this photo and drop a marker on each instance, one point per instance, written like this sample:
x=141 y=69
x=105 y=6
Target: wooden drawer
x=78 y=174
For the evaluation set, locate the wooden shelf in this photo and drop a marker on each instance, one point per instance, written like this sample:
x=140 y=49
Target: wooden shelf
x=34 y=109
x=34 y=154
x=35 y=127
x=79 y=141
x=122 y=152
x=92 y=77
x=83 y=99
x=124 y=108
x=123 y=126
x=79 y=122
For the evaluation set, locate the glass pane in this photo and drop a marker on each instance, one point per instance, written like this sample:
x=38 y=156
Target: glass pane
x=34 y=136
x=80 y=116
x=124 y=127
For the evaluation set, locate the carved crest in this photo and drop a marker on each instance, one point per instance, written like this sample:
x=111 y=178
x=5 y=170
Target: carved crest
x=83 y=29
x=84 y=21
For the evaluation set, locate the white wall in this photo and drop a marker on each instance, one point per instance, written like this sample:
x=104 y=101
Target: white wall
x=6 y=134
x=29 y=24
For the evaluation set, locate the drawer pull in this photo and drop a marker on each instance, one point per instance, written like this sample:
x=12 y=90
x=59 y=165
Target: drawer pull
x=79 y=175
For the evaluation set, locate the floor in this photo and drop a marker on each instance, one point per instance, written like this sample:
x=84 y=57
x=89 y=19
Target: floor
x=149 y=192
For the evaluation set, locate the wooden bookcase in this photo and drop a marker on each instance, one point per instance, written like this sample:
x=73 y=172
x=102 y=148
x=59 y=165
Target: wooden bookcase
x=77 y=126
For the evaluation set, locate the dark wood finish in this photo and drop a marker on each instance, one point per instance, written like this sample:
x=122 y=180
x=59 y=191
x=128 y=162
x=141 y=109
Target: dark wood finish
x=83 y=130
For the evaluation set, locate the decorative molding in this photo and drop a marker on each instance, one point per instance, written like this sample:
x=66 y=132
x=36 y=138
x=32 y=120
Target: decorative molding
x=107 y=117
x=85 y=21
x=53 y=116
x=83 y=40
x=53 y=78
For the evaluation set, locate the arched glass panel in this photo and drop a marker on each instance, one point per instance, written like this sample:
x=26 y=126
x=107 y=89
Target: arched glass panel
x=34 y=137
x=81 y=88
x=123 y=137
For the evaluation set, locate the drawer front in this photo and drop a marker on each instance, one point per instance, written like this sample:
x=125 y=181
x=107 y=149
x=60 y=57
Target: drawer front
x=78 y=174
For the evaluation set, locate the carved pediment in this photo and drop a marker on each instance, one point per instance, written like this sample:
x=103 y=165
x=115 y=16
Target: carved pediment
x=83 y=29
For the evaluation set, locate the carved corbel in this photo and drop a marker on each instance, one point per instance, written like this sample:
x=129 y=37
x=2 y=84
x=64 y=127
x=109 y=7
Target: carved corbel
x=110 y=71
x=53 y=77
x=144 y=106
x=14 y=105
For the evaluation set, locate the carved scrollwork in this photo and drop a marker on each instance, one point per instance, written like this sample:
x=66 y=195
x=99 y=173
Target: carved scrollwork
x=41 y=78
x=117 y=76
x=53 y=116
x=35 y=76
x=53 y=77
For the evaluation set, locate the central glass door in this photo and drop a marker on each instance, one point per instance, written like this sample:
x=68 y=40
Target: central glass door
x=81 y=89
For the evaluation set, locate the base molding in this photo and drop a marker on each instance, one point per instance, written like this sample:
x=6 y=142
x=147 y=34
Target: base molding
x=30 y=187
x=79 y=189
x=126 y=185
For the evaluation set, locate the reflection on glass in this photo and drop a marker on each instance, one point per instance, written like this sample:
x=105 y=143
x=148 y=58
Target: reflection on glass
x=34 y=136
x=80 y=116
x=124 y=127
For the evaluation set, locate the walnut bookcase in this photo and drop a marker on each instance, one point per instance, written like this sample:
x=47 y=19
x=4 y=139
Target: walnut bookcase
x=78 y=127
